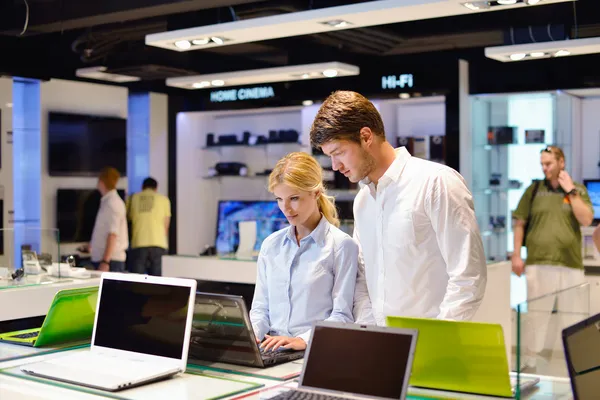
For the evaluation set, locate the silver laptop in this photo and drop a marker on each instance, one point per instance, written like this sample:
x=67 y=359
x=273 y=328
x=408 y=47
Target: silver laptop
x=222 y=332
x=141 y=334
x=355 y=362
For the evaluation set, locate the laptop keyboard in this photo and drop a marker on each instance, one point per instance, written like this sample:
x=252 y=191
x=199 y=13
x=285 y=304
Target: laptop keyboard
x=300 y=395
x=26 y=335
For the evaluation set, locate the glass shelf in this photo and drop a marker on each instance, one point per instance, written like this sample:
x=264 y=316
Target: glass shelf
x=218 y=147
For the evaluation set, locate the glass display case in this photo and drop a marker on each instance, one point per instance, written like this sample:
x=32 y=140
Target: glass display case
x=509 y=131
x=29 y=256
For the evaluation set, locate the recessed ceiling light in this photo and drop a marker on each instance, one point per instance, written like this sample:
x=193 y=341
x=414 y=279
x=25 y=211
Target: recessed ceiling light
x=9 y=105
x=307 y=103
x=532 y=2
x=183 y=44
x=330 y=73
x=507 y=2
x=477 y=5
x=218 y=82
x=200 y=85
x=337 y=23
x=217 y=40
x=537 y=54
x=404 y=96
x=201 y=42
x=517 y=56
x=562 y=53
x=305 y=76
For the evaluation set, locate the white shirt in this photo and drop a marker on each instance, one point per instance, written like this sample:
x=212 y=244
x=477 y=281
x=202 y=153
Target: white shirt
x=297 y=285
x=422 y=250
x=111 y=218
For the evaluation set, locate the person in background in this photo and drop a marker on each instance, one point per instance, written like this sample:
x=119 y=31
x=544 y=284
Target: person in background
x=110 y=238
x=150 y=216
x=414 y=220
x=554 y=210
x=306 y=272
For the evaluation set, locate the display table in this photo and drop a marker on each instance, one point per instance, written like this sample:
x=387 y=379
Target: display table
x=33 y=298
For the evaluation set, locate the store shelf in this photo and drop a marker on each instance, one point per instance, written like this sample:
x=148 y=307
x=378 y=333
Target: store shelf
x=218 y=147
x=235 y=176
x=492 y=190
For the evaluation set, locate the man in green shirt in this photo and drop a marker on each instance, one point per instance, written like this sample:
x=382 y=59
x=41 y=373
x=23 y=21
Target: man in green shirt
x=550 y=214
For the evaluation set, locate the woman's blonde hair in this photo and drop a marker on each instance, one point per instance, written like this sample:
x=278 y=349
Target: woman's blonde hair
x=301 y=171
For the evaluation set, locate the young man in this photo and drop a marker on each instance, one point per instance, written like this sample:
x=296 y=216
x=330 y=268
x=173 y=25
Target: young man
x=109 y=237
x=414 y=220
x=150 y=216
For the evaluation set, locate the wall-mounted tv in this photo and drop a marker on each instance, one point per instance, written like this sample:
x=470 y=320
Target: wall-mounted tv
x=267 y=214
x=593 y=188
x=76 y=211
x=81 y=145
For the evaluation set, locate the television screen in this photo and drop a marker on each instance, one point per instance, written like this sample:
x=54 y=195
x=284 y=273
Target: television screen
x=81 y=145
x=593 y=188
x=267 y=214
x=76 y=211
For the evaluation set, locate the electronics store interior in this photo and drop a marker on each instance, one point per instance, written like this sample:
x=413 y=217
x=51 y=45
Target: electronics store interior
x=300 y=199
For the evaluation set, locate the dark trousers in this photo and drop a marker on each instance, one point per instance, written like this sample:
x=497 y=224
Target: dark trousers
x=114 y=266
x=146 y=260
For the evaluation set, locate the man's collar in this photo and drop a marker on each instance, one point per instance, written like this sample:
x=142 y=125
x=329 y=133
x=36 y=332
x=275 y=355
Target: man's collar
x=395 y=170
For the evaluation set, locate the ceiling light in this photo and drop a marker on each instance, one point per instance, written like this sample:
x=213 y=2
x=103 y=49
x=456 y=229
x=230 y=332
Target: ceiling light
x=201 y=42
x=532 y=2
x=404 y=96
x=477 y=5
x=562 y=53
x=267 y=75
x=183 y=44
x=359 y=15
x=217 y=40
x=337 y=23
x=558 y=48
x=507 y=2
x=307 y=103
x=99 y=73
x=9 y=105
x=200 y=85
x=330 y=73
x=517 y=56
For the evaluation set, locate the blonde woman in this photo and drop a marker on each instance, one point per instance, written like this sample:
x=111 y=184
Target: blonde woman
x=306 y=272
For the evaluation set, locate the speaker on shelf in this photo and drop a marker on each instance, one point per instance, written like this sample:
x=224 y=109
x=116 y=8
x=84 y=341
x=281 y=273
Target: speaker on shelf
x=437 y=148
x=231 y=169
x=228 y=139
x=273 y=136
x=210 y=139
x=246 y=137
x=501 y=135
x=289 y=136
x=406 y=141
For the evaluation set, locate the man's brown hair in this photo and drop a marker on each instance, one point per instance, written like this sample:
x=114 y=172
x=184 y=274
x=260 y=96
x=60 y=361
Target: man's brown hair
x=554 y=150
x=341 y=117
x=109 y=176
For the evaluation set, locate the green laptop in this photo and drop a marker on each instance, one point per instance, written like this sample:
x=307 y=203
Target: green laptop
x=69 y=320
x=468 y=357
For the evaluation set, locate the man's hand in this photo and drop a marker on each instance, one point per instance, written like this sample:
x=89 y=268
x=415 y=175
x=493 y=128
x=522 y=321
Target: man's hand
x=275 y=342
x=104 y=267
x=518 y=265
x=565 y=181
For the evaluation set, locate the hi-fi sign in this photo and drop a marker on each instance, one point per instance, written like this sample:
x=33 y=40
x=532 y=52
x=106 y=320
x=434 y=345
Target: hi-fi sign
x=397 y=81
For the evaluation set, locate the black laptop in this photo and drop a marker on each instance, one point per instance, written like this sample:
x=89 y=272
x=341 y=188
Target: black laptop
x=582 y=351
x=222 y=332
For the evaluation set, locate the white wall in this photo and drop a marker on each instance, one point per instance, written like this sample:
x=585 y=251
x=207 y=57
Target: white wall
x=6 y=192
x=159 y=141
x=77 y=98
x=590 y=147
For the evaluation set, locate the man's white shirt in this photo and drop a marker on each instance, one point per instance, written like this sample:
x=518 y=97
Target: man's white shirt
x=421 y=249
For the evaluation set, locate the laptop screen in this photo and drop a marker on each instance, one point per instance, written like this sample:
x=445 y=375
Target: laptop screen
x=219 y=331
x=584 y=360
x=142 y=317
x=358 y=361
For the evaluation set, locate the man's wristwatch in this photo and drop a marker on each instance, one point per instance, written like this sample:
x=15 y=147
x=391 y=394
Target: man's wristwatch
x=572 y=192
x=105 y=262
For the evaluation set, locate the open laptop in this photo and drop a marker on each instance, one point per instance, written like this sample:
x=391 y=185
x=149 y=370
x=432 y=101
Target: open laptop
x=222 y=332
x=468 y=357
x=70 y=319
x=141 y=334
x=582 y=351
x=356 y=362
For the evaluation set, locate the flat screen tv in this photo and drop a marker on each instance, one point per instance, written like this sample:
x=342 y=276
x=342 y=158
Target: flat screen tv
x=76 y=211
x=81 y=145
x=593 y=188
x=267 y=214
